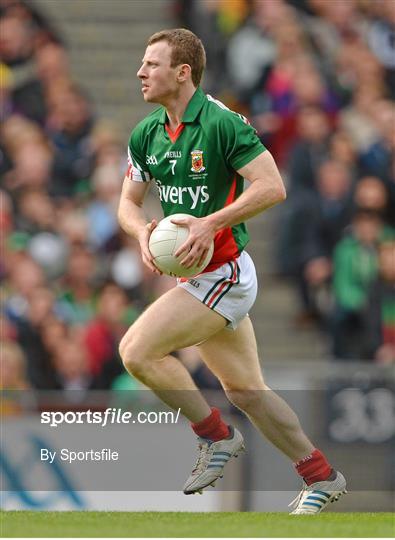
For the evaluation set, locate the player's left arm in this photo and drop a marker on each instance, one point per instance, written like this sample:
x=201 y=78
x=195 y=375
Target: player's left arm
x=266 y=189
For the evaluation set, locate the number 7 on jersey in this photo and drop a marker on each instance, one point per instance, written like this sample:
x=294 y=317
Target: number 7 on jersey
x=173 y=165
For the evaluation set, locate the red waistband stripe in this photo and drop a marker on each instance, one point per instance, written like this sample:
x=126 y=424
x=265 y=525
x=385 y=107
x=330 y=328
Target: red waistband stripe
x=222 y=285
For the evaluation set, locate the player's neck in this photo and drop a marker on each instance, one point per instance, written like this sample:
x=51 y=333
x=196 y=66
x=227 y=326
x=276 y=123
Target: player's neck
x=176 y=107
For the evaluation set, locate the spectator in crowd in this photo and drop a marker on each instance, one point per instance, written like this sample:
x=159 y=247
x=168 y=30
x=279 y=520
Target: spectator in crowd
x=35 y=211
x=24 y=277
x=343 y=150
x=77 y=295
x=380 y=310
x=13 y=368
x=70 y=136
x=310 y=149
x=355 y=269
x=356 y=119
x=215 y=21
x=101 y=210
x=251 y=50
x=29 y=153
x=31 y=99
x=107 y=146
x=16 y=40
x=127 y=270
x=6 y=229
x=377 y=159
x=52 y=66
x=294 y=84
x=29 y=327
x=371 y=193
x=381 y=40
x=70 y=362
x=314 y=224
x=114 y=314
x=332 y=25
x=42 y=30
x=53 y=332
x=6 y=103
x=72 y=223
x=23 y=31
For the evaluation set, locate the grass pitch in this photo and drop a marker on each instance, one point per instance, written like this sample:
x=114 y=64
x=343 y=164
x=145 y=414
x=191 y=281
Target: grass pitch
x=190 y=524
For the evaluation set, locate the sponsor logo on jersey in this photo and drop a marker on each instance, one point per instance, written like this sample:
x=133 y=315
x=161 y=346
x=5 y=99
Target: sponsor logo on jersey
x=197 y=161
x=186 y=196
x=151 y=160
x=173 y=154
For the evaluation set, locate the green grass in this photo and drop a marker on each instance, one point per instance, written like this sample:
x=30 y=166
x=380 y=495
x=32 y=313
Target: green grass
x=188 y=524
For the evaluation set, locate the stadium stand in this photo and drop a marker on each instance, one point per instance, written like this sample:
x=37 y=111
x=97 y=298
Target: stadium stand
x=319 y=93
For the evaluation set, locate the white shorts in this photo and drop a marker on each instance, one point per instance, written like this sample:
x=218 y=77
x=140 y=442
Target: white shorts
x=230 y=290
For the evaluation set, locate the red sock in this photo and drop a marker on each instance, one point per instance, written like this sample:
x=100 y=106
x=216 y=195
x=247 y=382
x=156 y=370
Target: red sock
x=314 y=467
x=212 y=427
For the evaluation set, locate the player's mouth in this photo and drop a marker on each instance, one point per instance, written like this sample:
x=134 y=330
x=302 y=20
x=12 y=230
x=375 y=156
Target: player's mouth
x=144 y=88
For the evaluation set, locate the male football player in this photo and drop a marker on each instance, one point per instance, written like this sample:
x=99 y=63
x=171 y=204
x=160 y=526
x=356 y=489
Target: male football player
x=199 y=153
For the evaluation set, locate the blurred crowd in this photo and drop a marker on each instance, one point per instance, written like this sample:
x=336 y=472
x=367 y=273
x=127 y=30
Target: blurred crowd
x=316 y=78
x=72 y=282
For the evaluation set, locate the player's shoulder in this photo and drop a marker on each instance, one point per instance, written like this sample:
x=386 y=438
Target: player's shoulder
x=218 y=113
x=146 y=125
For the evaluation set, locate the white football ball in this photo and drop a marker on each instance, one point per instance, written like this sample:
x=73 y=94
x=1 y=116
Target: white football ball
x=164 y=241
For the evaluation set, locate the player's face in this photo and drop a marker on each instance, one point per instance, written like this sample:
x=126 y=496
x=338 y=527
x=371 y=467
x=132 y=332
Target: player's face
x=158 y=78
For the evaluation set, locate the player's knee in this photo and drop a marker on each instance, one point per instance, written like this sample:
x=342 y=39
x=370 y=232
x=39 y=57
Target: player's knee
x=246 y=399
x=131 y=355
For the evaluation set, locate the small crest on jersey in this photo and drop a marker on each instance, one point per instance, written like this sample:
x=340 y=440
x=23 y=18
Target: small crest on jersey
x=197 y=161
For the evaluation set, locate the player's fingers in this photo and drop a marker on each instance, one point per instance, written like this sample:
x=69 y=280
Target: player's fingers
x=148 y=260
x=187 y=262
x=152 y=225
x=151 y=266
x=186 y=246
x=203 y=256
x=148 y=257
x=183 y=222
x=192 y=258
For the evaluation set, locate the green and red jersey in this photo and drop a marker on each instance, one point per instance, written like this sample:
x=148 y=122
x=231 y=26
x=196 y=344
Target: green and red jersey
x=195 y=167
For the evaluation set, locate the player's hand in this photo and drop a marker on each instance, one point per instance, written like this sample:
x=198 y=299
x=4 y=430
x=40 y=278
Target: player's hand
x=144 y=246
x=196 y=246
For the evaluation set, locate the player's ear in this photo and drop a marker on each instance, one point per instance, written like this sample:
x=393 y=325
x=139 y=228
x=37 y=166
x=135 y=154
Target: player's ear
x=184 y=72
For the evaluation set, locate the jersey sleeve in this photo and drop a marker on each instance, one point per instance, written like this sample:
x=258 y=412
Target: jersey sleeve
x=241 y=142
x=137 y=169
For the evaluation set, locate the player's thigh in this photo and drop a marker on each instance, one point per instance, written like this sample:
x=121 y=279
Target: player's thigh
x=233 y=357
x=174 y=321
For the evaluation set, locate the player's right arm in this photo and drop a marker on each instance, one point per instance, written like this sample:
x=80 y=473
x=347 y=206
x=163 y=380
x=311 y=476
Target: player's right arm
x=131 y=216
x=132 y=219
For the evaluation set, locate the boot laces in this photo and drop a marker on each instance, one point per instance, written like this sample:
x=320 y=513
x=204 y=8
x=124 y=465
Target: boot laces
x=202 y=459
x=305 y=490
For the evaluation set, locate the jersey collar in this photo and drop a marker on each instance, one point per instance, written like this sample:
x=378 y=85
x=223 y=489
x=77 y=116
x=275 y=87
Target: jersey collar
x=193 y=108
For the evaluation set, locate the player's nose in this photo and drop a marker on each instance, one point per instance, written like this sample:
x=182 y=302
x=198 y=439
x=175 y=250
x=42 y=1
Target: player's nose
x=141 y=73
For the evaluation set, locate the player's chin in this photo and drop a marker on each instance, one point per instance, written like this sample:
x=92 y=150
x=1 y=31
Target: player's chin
x=151 y=97
x=148 y=96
